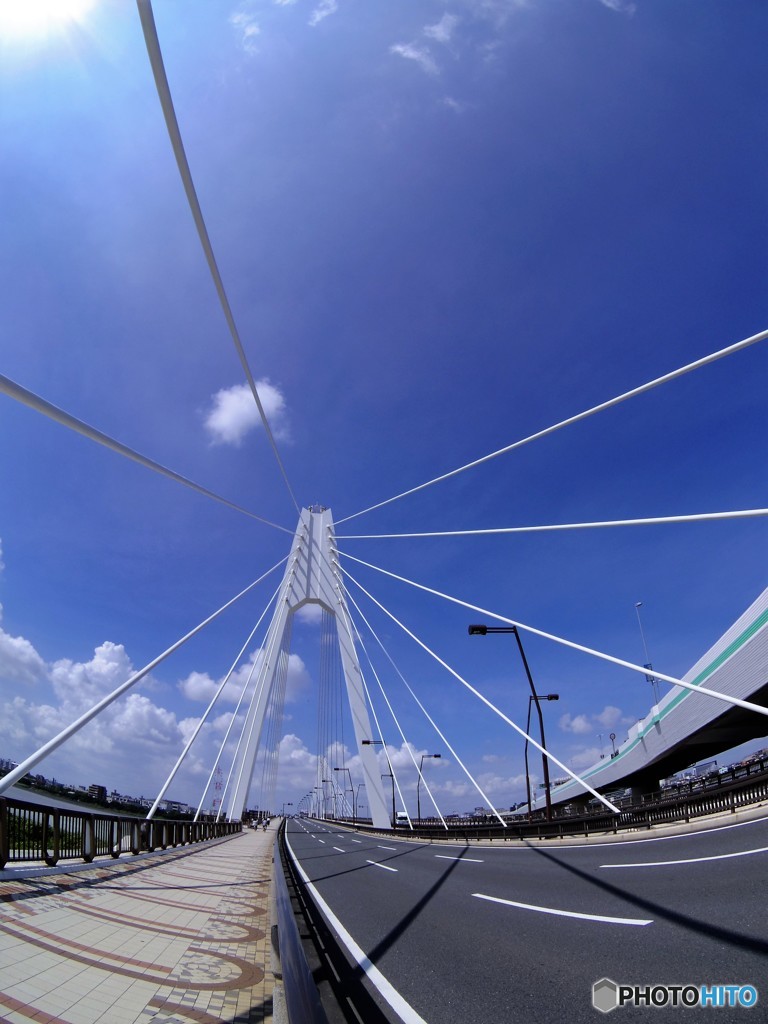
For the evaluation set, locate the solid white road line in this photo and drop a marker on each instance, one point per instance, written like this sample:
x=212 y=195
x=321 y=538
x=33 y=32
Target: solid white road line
x=377 y=865
x=564 y=913
x=472 y=860
x=689 y=860
x=374 y=975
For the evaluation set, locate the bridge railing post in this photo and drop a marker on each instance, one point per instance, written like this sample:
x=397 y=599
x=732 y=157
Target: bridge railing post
x=89 y=838
x=4 y=844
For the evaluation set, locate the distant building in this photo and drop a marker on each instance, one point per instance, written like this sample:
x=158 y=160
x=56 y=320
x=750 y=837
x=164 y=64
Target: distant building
x=99 y=793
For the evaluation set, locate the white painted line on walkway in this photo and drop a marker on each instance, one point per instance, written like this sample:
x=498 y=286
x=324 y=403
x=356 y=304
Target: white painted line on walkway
x=377 y=865
x=564 y=913
x=472 y=860
x=689 y=860
x=374 y=975
x=394 y=848
x=339 y=849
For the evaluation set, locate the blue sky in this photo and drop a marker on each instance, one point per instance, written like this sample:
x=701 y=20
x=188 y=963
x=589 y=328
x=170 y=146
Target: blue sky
x=442 y=227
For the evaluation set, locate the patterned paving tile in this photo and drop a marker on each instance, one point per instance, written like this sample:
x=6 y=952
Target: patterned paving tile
x=180 y=937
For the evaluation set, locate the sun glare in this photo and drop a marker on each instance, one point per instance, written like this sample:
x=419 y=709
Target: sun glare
x=30 y=18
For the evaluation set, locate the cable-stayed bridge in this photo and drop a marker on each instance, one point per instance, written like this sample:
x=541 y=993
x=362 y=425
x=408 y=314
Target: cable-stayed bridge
x=719 y=702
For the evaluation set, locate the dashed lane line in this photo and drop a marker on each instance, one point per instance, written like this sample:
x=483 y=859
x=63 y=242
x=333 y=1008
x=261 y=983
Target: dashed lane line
x=385 y=987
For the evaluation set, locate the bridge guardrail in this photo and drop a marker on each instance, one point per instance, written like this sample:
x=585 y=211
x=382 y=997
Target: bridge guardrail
x=35 y=832
x=664 y=808
x=302 y=999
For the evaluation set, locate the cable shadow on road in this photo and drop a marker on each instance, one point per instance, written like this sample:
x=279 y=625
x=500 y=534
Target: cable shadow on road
x=733 y=938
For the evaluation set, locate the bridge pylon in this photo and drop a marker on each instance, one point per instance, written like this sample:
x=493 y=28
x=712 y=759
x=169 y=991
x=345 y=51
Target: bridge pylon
x=311 y=576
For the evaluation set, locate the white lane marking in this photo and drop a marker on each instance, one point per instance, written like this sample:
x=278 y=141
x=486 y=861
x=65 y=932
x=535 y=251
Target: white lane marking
x=377 y=865
x=564 y=913
x=472 y=860
x=387 y=847
x=357 y=840
x=339 y=849
x=321 y=841
x=689 y=860
x=385 y=987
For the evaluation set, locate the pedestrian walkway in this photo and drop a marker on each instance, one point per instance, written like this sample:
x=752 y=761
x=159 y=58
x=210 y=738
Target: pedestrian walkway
x=167 y=938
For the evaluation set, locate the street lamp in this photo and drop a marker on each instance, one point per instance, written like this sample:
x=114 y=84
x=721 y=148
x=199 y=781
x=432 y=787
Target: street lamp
x=282 y=813
x=418 y=785
x=352 y=790
x=531 y=699
x=649 y=678
x=389 y=775
x=481 y=630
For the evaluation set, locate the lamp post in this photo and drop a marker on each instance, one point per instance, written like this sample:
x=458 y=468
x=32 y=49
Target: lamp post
x=418 y=784
x=359 y=787
x=531 y=699
x=352 y=790
x=481 y=630
x=649 y=678
x=389 y=775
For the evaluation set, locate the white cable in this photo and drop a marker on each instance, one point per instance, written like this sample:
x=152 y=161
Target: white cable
x=33 y=401
x=21 y=770
x=272 y=639
x=379 y=731
x=201 y=802
x=254 y=697
x=572 y=419
x=428 y=716
x=394 y=717
x=701 y=517
x=166 y=102
x=747 y=705
x=485 y=700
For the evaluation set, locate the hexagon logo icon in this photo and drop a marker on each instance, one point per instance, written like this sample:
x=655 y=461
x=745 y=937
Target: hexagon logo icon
x=605 y=995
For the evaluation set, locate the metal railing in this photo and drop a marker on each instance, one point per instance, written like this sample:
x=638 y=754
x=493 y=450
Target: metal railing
x=34 y=832
x=700 y=798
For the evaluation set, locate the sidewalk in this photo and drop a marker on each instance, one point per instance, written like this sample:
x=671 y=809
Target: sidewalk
x=166 y=938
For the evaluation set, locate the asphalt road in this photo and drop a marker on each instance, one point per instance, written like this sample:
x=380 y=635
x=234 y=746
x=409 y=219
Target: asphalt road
x=487 y=934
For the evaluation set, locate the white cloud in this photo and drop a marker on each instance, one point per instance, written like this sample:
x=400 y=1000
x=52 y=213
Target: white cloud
x=323 y=10
x=19 y=661
x=247 y=27
x=577 y=724
x=200 y=686
x=622 y=6
x=235 y=413
x=584 y=758
x=310 y=613
x=422 y=56
x=455 y=105
x=443 y=30
x=610 y=716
